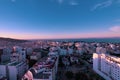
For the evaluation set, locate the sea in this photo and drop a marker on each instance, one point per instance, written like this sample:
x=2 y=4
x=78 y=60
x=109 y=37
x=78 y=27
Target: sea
x=105 y=40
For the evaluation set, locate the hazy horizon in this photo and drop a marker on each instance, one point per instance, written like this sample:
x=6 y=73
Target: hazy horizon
x=64 y=38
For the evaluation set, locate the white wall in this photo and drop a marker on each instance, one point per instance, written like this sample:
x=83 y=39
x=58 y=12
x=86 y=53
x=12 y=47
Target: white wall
x=12 y=73
x=106 y=67
x=3 y=70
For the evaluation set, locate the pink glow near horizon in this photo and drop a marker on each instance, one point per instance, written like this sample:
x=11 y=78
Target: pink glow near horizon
x=80 y=35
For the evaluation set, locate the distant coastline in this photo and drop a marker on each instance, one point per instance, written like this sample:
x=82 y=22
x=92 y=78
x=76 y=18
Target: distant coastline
x=111 y=40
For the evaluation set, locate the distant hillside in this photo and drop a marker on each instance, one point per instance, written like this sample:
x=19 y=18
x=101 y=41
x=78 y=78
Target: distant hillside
x=12 y=40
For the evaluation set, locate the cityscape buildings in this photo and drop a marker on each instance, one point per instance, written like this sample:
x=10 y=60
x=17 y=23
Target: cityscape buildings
x=43 y=60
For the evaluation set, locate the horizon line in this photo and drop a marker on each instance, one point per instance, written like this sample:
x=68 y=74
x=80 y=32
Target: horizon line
x=59 y=38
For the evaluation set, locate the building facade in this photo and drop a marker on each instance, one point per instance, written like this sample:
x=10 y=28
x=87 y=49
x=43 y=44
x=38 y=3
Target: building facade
x=108 y=66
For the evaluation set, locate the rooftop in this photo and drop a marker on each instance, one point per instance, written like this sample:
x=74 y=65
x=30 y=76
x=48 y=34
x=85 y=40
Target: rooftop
x=15 y=63
x=41 y=75
x=117 y=55
x=5 y=62
x=43 y=68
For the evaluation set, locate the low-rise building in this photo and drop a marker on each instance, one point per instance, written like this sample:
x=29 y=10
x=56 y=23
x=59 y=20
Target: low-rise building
x=13 y=70
x=14 y=67
x=44 y=69
x=35 y=56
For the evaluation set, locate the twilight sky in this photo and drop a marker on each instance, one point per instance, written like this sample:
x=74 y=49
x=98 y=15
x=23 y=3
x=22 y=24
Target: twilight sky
x=47 y=19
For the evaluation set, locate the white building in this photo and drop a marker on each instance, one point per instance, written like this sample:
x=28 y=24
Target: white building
x=100 y=50
x=63 y=51
x=29 y=51
x=70 y=51
x=5 y=54
x=16 y=66
x=17 y=49
x=53 y=49
x=80 y=51
x=113 y=46
x=108 y=66
x=45 y=69
x=35 y=56
x=18 y=56
x=13 y=70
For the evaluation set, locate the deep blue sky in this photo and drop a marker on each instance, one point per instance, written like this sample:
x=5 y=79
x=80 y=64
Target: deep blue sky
x=59 y=18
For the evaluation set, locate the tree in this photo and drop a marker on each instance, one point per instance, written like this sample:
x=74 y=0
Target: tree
x=69 y=74
x=81 y=76
x=60 y=62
